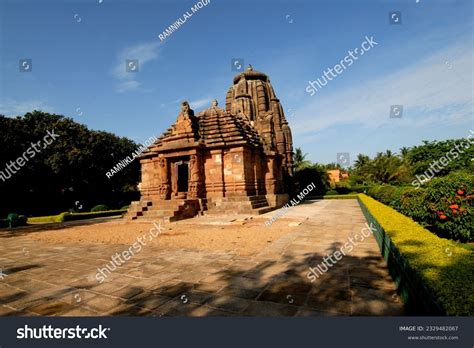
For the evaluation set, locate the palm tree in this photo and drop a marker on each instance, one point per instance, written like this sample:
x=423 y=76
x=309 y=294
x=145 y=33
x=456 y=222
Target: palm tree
x=361 y=161
x=404 y=152
x=300 y=160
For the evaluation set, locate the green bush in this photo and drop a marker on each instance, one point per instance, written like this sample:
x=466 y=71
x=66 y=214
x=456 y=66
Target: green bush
x=435 y=270
x=450 y=205
x=15 y=220
x=388 y=194
x=125 y=207
x=331 y=192
x=100 y=207
x=392 y=196
x=375 y=191
x=412 y=204
x=343 y=187
x=359 y=188
x=445 y=205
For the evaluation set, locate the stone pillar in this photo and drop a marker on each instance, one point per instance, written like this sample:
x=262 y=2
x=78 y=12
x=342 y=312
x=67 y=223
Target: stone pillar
x=147 y=178
x=164 y=180
x=196 y=184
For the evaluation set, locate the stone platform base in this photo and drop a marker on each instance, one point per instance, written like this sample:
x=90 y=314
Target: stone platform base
x=167 y=210
x=277 y=200
x=238 y=205
x=178 y=209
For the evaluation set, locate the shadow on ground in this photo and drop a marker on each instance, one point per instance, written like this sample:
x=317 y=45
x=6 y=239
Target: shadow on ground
x=268 y=289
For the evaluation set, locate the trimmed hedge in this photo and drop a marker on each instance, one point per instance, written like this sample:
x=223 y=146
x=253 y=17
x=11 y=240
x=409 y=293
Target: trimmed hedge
x=73 y=216
x=91 y=215
x=433 y=275
x=48 y=219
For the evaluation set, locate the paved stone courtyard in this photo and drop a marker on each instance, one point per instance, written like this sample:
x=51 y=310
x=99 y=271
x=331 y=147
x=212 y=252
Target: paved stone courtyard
x=44 y=278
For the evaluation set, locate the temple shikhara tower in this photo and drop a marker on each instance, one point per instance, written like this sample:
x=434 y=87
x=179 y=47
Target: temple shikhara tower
x=233 y=160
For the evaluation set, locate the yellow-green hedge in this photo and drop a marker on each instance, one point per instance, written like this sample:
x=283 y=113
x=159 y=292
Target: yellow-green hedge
x=47 y=219
x=429 y=265
x=73 y=216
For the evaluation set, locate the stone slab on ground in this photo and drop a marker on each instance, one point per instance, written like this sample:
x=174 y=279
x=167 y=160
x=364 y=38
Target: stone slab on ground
x=199 y=270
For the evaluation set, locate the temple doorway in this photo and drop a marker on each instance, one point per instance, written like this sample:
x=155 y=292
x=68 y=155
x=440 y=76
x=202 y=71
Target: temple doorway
x=183 y=176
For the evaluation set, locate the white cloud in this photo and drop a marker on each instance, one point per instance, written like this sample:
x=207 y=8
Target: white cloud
x=10 y=107
x=437 y=90
x=127 y=86
x=197 y=104
x=144 y=53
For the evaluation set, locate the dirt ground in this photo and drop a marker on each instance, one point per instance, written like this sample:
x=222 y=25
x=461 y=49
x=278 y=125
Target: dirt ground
x=242 y=237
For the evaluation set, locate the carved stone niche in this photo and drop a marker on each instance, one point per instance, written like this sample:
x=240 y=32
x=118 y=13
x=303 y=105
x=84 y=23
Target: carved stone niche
x=164 y=191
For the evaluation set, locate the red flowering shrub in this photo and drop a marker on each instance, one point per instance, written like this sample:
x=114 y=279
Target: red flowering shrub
x=450 y=205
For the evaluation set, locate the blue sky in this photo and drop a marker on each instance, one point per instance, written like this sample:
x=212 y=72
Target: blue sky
x=78 y=51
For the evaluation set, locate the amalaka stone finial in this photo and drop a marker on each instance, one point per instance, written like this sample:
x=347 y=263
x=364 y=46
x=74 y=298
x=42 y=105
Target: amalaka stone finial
x=185 y=106
x=214 y=103
x=250 y=68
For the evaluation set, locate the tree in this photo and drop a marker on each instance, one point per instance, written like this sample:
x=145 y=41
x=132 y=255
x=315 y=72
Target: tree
x=361 y=162
x=68 y=173
x=300 y=160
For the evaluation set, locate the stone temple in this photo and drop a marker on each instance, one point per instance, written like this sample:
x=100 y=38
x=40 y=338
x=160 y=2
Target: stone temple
x=233 y=160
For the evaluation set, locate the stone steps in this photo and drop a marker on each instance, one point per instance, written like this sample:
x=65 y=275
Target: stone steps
x=238 y=205
x=169 y=210
x=178 y=209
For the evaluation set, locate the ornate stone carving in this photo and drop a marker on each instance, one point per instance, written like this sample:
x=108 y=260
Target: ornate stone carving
x=194 y=169
x=163 y=170
x=164 y=191
x=163 y=175
x=184 y=122
x=195 y=176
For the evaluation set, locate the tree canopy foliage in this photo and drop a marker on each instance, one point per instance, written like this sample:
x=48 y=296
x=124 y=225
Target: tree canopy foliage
x=67 y=174
x=391 y=168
